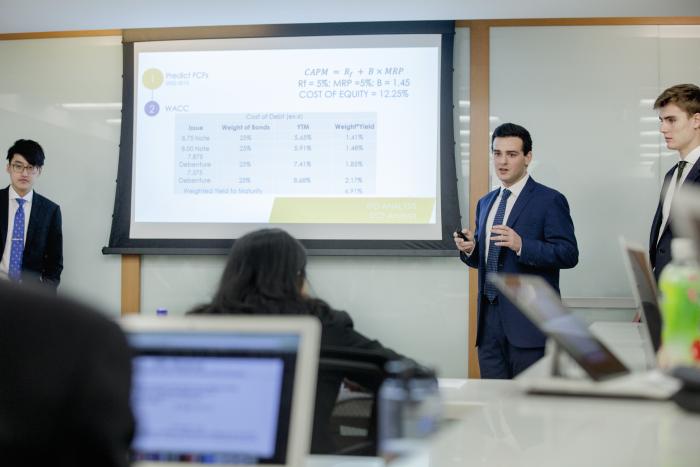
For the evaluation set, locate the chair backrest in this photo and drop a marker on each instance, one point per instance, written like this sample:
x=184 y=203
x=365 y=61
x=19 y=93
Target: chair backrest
x=345 y=422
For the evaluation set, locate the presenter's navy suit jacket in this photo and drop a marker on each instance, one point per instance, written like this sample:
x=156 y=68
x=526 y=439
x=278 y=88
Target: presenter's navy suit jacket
x=660 y=252
x=43 y=249
x=541 y=217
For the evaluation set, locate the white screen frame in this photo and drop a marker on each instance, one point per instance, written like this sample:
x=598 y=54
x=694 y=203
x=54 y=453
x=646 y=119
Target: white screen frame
x=306 y=327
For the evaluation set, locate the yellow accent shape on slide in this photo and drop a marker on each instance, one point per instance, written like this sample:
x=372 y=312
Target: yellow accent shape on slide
x=153 y=78
x=352 y=210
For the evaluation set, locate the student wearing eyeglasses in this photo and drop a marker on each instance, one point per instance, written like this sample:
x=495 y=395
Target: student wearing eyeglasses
x=31 y=239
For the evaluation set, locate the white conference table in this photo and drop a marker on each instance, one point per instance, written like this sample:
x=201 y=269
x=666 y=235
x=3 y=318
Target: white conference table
x=501 y=426
x=497 y=424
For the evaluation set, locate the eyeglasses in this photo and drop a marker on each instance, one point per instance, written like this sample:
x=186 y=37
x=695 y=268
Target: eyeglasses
x=19 y=168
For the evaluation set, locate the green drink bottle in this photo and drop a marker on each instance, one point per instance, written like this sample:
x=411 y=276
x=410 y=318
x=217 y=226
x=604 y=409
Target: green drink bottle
x=679 y=286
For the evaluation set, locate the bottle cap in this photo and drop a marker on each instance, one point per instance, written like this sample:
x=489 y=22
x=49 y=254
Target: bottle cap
x=407 y=368
x=161 y=312
x=403 y=368
x=682 y=248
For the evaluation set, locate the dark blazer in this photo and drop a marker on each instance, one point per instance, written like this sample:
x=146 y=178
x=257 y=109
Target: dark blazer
x=660 y=252
x=66 y=377
x=43 y=250
x=337 y=331
x=541 y=217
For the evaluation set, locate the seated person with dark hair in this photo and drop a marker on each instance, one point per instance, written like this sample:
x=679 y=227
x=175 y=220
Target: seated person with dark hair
x=265 y=274
x=66 y=381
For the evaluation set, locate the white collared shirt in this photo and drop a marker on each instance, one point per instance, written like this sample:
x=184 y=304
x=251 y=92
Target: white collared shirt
x=691 y=159
x=515 y=190
x=11 y=211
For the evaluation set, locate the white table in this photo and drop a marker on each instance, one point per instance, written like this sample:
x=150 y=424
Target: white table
x=499 y=425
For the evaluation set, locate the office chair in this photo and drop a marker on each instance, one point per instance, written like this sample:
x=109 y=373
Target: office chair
x=347 y=425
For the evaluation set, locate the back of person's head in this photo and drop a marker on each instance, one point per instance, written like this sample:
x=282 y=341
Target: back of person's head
x=512 y=130
x=30 y=150
x=264 y=273
x=66 y=382
x=685 y=96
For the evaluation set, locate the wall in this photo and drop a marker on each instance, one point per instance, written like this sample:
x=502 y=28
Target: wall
x=416 y=305
x=45 y=15
x=393 y=299
x=586 y=95
x=81 y=145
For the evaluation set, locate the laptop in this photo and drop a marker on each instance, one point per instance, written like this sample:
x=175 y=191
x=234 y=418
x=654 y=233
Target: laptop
x=222 y=390
x=638 y=266
x=607 y=375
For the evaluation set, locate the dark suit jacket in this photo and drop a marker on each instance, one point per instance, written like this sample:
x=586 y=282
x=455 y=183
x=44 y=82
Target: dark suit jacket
x=541 y=217
x=43 y=250
x=660 y=252
x=66 y=377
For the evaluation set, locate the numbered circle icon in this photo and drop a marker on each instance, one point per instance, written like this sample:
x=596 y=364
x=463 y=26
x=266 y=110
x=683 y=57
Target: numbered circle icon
x=153 y=78
x=151 y=108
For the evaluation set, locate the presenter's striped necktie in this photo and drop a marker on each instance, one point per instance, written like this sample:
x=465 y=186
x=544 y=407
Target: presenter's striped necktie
x=494 y=250
x=17 y=248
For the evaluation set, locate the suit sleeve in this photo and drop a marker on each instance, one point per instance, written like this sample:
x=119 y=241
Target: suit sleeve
x=341 y=332
x=473 y=259
x=557 y=249
x=53 y=255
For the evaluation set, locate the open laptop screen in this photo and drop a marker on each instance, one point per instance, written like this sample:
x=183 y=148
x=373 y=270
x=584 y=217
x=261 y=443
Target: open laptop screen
x=212 y=397
x=644 y=288
x=533 y=296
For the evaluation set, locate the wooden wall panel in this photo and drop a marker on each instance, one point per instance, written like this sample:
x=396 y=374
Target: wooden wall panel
x=478 y=159
x=131 y=284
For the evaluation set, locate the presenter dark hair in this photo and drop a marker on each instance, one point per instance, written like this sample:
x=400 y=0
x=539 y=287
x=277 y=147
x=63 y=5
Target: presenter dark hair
x=685 y=96
x=30 y=150
x=511 y=129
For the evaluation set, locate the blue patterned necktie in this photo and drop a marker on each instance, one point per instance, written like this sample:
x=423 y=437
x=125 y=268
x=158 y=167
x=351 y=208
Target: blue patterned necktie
x=17 y=249
x=494 y=250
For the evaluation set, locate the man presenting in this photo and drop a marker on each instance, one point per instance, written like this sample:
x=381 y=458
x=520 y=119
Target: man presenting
x=521 y=227
x=679 y=114
x=31 y=241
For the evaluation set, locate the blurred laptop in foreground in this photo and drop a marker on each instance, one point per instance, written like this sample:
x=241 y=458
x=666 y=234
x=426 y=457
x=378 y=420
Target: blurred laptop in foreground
x=223 y=390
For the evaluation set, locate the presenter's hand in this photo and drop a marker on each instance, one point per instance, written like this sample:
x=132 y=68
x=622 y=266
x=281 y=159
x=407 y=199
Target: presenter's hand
x=465 y=246
x=505 y=236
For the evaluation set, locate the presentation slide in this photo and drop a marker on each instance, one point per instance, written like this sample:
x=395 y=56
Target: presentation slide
x=207 y=405
x=330 y=137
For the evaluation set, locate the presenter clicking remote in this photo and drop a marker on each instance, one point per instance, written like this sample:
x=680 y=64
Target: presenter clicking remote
x=464 y=239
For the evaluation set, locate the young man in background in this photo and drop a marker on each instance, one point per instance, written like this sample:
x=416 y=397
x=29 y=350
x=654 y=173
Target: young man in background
x=31 y=239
